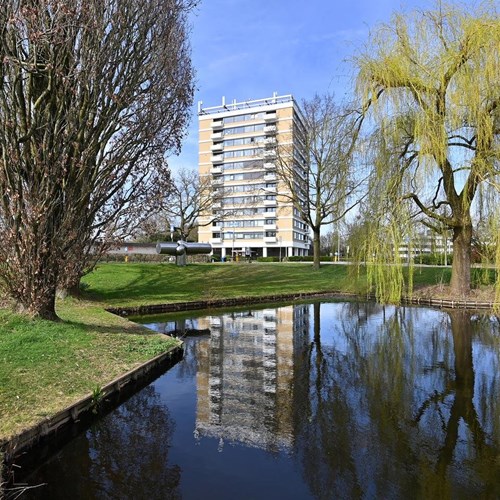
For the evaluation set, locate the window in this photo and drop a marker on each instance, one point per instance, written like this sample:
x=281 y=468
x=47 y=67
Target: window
x=245 y=129
x=243 y=141
x=245 y=117
x=241 y=152
x=243 y=176
x=240 y=165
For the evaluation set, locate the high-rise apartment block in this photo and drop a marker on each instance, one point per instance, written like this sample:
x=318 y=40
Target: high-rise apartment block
x=252 y=213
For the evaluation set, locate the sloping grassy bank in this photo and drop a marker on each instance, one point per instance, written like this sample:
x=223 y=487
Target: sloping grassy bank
x=46 y=366
x=121 y=284
x=141 y=284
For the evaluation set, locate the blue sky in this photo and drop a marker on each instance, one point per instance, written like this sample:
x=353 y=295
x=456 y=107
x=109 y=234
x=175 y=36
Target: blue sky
x=247 y=49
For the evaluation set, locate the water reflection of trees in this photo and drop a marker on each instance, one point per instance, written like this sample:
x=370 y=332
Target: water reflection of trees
x=126 y=452
x=398 y=402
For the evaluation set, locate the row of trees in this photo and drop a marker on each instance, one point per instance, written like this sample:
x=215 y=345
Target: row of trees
x=95 y=95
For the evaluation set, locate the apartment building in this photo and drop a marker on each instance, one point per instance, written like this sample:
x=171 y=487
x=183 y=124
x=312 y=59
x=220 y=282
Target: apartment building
x=251 y=213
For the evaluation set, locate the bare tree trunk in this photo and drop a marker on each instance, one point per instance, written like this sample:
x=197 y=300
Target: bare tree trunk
x=462 y=258
x=316 y=247
x=44 y=307
x=48 y=310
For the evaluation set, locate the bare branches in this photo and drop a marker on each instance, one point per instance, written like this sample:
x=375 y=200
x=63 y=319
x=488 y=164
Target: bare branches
x=321 y=181
x=93 y=98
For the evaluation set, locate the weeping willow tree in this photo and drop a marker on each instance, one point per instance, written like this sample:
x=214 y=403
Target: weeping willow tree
x=432 y=87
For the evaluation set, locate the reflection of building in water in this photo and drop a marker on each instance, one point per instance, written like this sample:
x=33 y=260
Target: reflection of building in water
x=245 y=375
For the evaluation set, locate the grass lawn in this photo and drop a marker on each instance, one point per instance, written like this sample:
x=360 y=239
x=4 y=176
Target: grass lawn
x=45 y=366
x=151 y=283
x=135 y=284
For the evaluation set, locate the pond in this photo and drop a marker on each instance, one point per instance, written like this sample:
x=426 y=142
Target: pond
x=317 y=400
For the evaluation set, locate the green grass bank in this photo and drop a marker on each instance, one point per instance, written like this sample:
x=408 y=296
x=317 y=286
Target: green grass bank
x=136 y=284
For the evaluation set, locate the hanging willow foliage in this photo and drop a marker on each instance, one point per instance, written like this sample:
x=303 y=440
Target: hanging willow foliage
x=431 y=87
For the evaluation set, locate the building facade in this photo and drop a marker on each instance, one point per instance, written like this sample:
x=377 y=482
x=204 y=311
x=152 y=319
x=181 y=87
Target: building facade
x=251 y=214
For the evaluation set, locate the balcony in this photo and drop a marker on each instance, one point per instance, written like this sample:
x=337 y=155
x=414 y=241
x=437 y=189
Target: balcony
x=216 y=136
x=217 y=181
x=271 y=214
x=269 y=154
x=269 y=203
x=217 y=158
x=216 y=204
x=270 y=129
x=217 y=169
x=270 y=177
x=269 y=227
x=269 y=165
x=217 y=125
x=217 y=147
x=269 y=142
x=270 y=117
x=215 y=240
x=270 y=239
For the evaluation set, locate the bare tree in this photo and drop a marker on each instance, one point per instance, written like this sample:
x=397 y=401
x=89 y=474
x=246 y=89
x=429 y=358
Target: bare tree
x=191 y=196
x=94 y=95
x=320 y=179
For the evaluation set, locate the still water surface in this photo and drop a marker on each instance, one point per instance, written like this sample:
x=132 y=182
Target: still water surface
x=322 y=400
